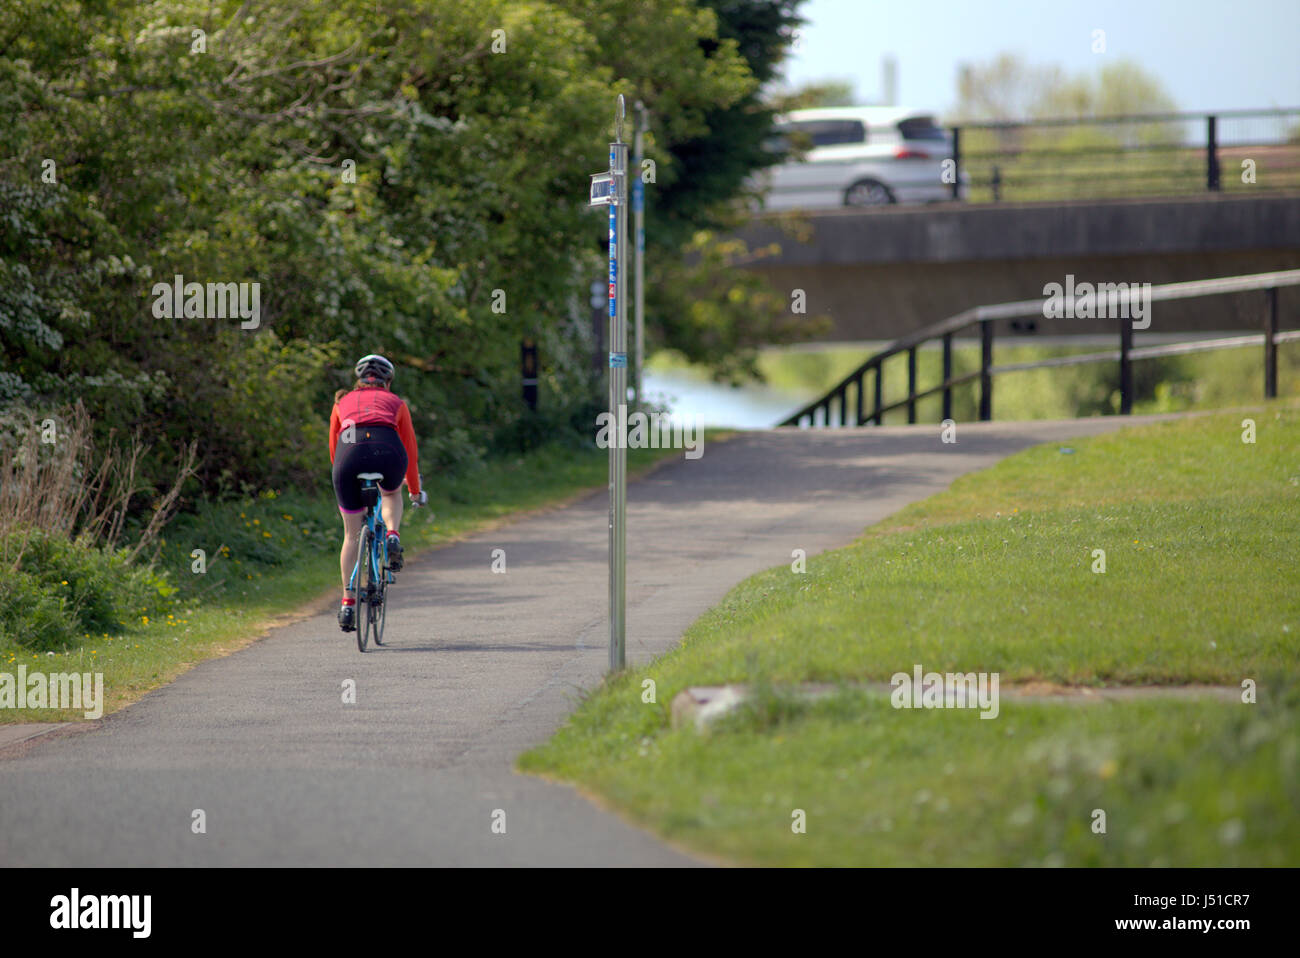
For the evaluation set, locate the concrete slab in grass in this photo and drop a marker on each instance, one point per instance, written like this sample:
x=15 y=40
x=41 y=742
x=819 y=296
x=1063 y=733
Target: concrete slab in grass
x=701 y=705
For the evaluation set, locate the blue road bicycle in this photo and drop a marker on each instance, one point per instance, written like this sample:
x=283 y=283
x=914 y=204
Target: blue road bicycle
x=371 y=576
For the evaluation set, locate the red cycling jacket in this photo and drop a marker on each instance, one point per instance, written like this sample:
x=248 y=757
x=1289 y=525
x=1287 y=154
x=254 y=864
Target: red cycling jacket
x=377 y=407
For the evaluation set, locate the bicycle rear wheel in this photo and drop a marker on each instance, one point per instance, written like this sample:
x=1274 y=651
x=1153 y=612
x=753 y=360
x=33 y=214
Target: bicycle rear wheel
x=381 y=614
x=364 y=588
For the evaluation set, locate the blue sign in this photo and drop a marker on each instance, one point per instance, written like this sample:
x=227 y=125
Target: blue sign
x=613 y=262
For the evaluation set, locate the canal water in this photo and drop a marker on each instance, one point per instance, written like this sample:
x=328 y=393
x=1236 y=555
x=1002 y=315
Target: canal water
x=753 y=406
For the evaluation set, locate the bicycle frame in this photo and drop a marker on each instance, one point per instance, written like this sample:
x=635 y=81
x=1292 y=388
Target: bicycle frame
x=378 y=557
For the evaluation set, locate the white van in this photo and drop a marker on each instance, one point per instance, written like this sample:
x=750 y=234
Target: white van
x=858 y=156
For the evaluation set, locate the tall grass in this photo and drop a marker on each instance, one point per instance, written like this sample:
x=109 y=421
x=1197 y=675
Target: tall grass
x=53 y=480
x=64 y=509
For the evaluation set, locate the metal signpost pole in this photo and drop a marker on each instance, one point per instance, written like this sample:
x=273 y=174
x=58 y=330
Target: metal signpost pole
x=610 y=189
x=638 y=214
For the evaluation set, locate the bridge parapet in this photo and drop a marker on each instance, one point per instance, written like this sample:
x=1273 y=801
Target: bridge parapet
x=882 y=273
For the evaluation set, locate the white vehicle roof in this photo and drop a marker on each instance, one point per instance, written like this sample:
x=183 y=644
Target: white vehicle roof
x=870 y=115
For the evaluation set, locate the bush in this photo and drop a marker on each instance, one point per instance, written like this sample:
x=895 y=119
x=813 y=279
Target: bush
x=33 y=618
x=59 y=590
x=453 y=451
x=573 y=424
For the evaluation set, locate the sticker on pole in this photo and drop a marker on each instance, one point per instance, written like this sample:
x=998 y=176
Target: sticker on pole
x=602 y=189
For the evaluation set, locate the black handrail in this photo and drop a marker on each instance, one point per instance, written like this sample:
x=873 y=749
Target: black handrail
x=1000 y=181
x=985 y=316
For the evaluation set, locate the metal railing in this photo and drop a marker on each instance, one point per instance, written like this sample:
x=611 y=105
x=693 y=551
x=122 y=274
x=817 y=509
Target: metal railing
x=1155 y=154
x=985 y=316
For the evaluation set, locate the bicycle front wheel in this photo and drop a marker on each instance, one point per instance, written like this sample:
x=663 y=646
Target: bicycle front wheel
x=365 y=586
x=381 y=606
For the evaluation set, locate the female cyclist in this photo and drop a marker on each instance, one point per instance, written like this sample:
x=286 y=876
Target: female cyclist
x=371 y=431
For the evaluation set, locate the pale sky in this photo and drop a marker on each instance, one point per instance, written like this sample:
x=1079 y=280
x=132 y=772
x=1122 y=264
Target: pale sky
x=1209 y=54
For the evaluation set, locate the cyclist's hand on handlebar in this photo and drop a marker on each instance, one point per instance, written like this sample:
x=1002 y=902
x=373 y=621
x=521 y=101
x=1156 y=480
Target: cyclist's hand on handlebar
x=421 y=499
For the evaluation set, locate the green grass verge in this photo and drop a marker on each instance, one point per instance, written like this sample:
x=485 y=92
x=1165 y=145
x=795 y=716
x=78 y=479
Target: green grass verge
x=267 y=556
x=1202 y=584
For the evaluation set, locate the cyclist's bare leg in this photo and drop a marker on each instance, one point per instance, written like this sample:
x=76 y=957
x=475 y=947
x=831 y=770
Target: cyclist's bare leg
x=348 y=554
x=392 y=507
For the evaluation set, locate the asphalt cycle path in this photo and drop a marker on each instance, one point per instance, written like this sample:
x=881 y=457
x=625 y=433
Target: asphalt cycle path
x=478 y=667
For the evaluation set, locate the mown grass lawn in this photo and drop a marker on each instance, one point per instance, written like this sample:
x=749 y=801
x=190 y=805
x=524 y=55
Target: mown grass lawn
x=265 y=557
x=1201 y=534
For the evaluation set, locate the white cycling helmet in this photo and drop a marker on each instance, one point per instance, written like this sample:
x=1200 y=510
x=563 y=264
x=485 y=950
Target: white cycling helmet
x=375 y=367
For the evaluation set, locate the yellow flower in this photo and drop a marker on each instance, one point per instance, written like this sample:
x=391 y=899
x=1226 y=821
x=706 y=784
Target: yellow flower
x=64 y=582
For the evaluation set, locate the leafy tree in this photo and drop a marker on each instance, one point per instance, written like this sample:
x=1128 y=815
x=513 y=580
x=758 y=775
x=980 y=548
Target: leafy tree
x=820 y=94
x=407 y=178
x=1007 y=88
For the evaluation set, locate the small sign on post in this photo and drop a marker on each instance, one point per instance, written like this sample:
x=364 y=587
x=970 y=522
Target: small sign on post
x=609 y=188
x=602 y=189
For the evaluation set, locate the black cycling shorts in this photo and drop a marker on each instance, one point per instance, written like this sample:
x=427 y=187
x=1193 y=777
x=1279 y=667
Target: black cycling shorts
x=376 y=449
